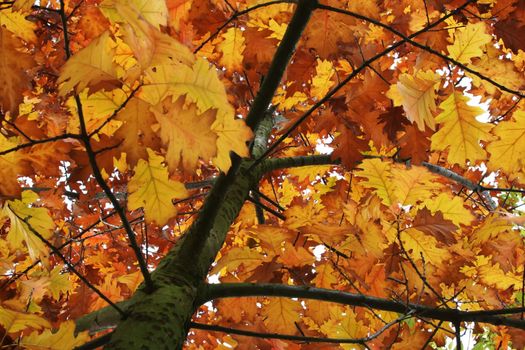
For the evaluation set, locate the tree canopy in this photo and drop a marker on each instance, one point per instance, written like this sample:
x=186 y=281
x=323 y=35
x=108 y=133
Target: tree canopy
x=262 y=174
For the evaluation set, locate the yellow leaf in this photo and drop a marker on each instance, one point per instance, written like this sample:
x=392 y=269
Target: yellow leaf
x=423 y=246
x=460 y=132
x=344 y=324
x=110 y=288
x=155 y=12
x=490 y=228
x=149 y=45
x=199 y=83
x=281 y=314
x=232 y=136
x=299 y=216
x=491 y=274
x=131 y=280
x=322 y=80
x=186 y=133
x=308 y=173
x=249 y=258
x=97 y=108
x=151 y=188
x=293 y=256
x=287 y=192
x=325 y=277
x=24 y=219
x=91 y=67
x=271 y=238
x=53 y=284
x=232 y=48
x=504 y=71
x=451 y=207
x=468 y=42
x=417 y=94
x=17 y=24
x=378 y=177
x=63 y=339
x=15 y=321
x=414 y=184
x=508 y=152
x=277 y=29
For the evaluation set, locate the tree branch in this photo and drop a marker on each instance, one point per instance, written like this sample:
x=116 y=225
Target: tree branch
x=229 y=290
x=279 y=62
x=297 y=338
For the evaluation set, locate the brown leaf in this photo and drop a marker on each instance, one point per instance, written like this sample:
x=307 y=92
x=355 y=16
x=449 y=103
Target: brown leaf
x=435 y=225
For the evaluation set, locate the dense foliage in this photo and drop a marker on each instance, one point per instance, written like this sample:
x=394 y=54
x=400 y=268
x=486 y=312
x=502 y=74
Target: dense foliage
x=343 y=173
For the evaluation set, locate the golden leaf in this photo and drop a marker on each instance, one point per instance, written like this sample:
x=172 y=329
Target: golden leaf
x=15 y=321
x=24 y=219
x=232 y=48
x=151 y=188
x=322 y=80
x=232 y=136
x=63 y=339
x=417 y=94
x=451 y=207
x=460 y=132
x=17 y=24
x=508 y=152
x=249 y=258
x=281 y=314
x=91 y=67
x=378 y=177
x=468 y=42
x=186 y=133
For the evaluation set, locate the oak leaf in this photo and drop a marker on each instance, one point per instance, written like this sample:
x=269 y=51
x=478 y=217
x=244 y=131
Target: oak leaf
x=232 y=48
x=417 y=94
x=344 y=324
x=237 y=256
x=25 y=218
x=281 y=314
x=186 y=133
x=151 y=188
x=136 y=130
x=435 y=225
x=378 y=177
x=451 y=207
x=53 y=283
x=64 y=338
x=460 y=132
x=232 y=136
x=468 y=42
x=14 y=321
x=423 y=246
x=154 y=12
x=508 y=151
x=16 y=23
x=322 y=80
x=91 y=67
